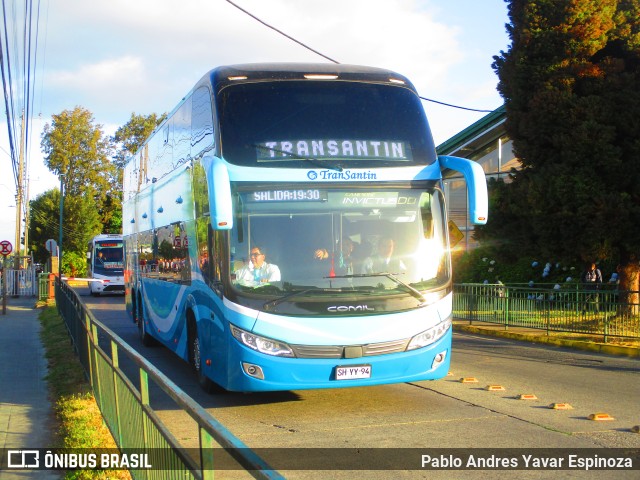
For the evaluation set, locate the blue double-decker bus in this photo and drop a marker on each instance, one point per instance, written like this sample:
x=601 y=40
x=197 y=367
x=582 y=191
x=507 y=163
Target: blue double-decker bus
x=285 y=228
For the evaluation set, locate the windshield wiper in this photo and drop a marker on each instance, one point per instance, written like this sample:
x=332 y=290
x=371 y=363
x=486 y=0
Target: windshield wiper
x=300 y=291
x=414 y=293
x=313 y=161
x=272 y=303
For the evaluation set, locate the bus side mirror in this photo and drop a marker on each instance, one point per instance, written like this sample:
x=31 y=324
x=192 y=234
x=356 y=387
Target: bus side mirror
x=221 y=207
x=88 y=255
x=476 y=186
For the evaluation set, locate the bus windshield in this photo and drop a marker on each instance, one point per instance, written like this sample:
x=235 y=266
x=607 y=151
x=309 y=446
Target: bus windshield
x=289 y=123
x=297 y=244
x=108 y=258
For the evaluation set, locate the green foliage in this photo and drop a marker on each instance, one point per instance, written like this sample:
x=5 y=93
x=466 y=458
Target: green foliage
x=77 y=149
x=166 y=250
x=132 y=135
x=490 y=265
x=74 y=264
x=79 y=422
x=44 y=223
x=80 y=222
x=570 y=83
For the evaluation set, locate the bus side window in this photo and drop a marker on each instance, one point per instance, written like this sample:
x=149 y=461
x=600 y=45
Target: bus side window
x=202 y=138
x=215 y=256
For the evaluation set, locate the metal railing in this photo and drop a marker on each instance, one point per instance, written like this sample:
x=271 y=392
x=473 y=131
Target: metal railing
x=20 y=282
x=606 y=312
x=126 y=404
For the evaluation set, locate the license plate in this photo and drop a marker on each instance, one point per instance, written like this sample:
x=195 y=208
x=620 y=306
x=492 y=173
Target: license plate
x=353 y=372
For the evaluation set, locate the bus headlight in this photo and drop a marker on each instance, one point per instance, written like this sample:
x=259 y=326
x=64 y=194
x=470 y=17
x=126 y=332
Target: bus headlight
x=430 y=336
x=261 y=344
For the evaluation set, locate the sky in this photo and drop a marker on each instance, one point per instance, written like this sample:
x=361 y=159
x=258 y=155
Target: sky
x=117 y=57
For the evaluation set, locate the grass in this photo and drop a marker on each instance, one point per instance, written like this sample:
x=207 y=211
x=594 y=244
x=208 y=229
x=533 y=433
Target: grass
x=78 y=418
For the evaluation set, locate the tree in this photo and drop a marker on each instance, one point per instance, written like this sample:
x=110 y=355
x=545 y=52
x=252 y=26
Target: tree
x=81 y=222
x=77 y=150
x=570 y=83
x=132 y=135
x=44 y=213
x=129 y=138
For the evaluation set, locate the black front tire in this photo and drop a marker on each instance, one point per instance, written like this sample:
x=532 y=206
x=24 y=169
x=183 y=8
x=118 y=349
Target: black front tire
x=195 y=358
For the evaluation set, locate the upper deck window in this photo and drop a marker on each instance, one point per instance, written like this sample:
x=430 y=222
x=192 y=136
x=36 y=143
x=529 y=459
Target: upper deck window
x=280 y=124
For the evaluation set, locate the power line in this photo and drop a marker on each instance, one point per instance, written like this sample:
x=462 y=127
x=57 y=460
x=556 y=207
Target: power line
x=281 y=32
x=335 y=61
x=455 y=106
x=19 y=65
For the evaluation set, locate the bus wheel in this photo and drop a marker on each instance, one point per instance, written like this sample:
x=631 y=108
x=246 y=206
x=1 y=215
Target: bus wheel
x=195 y=357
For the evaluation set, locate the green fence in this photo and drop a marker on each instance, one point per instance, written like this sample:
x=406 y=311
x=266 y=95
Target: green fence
x=126 y=405
x=606 y=312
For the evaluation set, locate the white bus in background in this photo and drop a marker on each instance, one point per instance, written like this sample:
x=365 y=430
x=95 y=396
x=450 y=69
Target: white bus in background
x=105 y=264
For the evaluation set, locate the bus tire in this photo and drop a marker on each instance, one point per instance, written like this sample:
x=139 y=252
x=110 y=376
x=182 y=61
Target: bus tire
x=146 y=339
x=195 y=359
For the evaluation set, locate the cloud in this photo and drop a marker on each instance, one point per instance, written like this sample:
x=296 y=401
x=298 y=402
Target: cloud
x=146 y=55
x=101 y=77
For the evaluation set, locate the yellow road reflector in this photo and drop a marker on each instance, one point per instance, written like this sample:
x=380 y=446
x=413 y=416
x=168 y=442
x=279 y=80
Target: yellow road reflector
x=468 y=380
x=527 y=396
x=495 y=388
x=600 y=417
x=561 y=406
x=635 y=429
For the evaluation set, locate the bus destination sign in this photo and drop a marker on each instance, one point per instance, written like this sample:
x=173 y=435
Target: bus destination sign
x=327 y=149
x=302 y=195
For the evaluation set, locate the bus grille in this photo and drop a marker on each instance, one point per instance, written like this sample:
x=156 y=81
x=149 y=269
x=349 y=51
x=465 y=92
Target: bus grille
x=114 y=288
x=337 y=351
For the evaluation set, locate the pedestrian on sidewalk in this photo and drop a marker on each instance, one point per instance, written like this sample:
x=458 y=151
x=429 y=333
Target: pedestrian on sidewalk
x=592 y=281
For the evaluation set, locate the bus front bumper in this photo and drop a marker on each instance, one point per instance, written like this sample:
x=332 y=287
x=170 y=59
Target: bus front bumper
x=260 y=372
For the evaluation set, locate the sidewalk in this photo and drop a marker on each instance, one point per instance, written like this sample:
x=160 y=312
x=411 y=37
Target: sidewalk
x=558 y=339
x=25 y=412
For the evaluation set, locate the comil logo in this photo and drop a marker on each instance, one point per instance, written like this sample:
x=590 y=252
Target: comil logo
x=350 y=308
x=23 y=459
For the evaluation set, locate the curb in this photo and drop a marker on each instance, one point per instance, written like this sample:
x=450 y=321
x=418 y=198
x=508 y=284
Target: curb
x=619 y=350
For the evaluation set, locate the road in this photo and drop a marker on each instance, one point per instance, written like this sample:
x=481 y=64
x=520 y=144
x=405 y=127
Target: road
x=427 y=415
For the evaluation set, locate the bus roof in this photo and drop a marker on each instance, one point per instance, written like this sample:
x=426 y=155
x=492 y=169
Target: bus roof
x=255 y=72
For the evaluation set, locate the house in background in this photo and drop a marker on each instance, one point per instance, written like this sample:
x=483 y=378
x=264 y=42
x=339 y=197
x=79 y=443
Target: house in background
x=487 y=143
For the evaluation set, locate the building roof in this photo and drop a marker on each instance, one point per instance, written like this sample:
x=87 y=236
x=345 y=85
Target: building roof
x=476 y=135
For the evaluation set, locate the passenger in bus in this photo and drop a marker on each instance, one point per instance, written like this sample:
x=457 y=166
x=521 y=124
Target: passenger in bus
x=258 y=271
x=384 y=261
x=342 y=264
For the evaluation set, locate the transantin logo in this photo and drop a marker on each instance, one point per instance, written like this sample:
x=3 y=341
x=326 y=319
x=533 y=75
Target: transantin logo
x=350 y=175
x=349 y=308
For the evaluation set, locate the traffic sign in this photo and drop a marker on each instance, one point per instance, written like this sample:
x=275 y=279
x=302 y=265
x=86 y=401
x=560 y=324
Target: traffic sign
x=5 y=247
x=51 y=245
x=455 y=235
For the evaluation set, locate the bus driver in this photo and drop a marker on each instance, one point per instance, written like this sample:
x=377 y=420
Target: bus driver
x=258 y=271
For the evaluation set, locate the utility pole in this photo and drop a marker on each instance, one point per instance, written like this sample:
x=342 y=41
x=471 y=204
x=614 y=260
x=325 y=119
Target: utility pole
x=26 y=221
x=19 y=195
